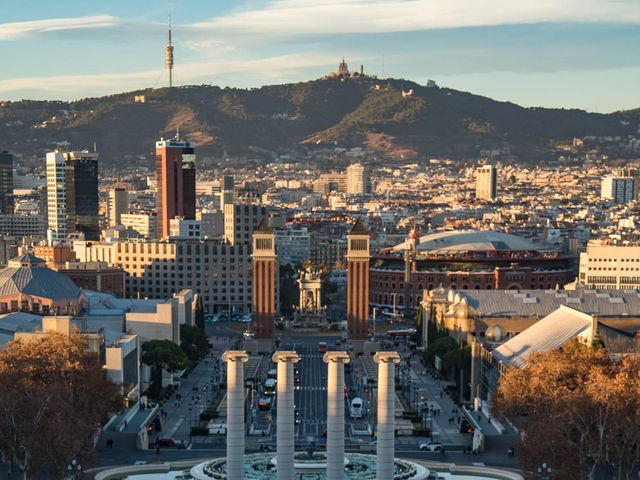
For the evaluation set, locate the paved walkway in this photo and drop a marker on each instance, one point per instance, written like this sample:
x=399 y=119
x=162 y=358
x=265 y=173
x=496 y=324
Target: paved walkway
x=183 y=408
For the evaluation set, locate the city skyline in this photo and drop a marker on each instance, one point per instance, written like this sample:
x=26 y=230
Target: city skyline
x=556 y=54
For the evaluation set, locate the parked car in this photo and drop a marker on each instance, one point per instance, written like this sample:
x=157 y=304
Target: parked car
x=431 y=446
x=166 y=442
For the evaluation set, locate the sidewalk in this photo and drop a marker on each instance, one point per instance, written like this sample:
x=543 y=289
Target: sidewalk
x=181 y=415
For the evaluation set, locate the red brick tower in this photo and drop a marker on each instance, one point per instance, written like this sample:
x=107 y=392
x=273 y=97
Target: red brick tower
x=265 y=276
x=358 y=284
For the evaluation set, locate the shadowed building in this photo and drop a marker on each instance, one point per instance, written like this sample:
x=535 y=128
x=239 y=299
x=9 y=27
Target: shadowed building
x=358 y=283
x=6 y=183
x=265 y=276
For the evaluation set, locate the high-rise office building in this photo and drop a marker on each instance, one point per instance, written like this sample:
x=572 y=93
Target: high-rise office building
x=226 y=183
x=176 y=177
x=486 y=182
x=72 y=194
x=118 y=204
x=620 y=189
x=6 y=183
x=358 y=179
x=82 y=189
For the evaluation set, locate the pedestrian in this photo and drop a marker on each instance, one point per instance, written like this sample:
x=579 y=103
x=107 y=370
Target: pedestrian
x=125 y=424
x=157 y=449
x=442 y=450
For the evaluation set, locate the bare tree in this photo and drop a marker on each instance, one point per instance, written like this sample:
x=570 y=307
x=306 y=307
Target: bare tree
x=53 y=397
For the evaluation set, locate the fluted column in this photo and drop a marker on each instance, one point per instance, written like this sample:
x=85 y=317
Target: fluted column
x=235 y=412
x=285 y=435
x=335 y=414
x=385 y=451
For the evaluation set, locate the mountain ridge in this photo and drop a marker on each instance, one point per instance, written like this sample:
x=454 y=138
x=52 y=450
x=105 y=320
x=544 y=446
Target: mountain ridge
x=394 y=117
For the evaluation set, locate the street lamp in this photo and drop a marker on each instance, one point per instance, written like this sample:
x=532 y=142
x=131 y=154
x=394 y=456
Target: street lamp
x=74 y=468
x=544 y=471
x=190 y=426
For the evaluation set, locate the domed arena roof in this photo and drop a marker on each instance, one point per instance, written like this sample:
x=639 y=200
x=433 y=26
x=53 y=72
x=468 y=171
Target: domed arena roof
x=472 y=241
x=29 y=275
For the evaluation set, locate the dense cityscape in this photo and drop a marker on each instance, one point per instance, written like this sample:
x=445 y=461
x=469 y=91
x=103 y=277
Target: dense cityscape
x=352 y=303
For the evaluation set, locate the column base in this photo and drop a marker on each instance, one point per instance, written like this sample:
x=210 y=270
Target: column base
x=257 y=346
x=358 y=345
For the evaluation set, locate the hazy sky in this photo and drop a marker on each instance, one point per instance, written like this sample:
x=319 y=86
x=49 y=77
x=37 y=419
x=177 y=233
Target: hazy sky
x=561 y=53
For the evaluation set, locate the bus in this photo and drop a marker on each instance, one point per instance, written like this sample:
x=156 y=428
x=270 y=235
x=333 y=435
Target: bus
x=270 y=387
x=355 y=408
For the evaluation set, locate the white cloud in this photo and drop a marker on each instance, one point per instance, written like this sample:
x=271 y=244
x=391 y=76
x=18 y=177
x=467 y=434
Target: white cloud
x=11 y=31
x=312 y=17
x=270 y=69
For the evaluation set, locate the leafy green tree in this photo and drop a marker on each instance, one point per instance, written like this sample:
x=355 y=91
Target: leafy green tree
x=198 y=312
x=440 y=347
x=194 y=342
x=162 y=355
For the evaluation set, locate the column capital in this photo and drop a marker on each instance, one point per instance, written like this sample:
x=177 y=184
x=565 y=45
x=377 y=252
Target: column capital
x=336 y=357
x=386 y=357
x=285 y=356
x=235 y=356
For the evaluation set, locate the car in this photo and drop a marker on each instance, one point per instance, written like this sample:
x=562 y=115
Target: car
x=431 y=446
x=264 y=403
x=338 y=342
x=322 y=347
x=166 y=442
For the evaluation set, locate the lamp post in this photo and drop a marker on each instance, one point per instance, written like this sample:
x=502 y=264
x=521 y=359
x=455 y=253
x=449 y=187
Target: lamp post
x=74 y=468
x=544 y=471
x=190 y=425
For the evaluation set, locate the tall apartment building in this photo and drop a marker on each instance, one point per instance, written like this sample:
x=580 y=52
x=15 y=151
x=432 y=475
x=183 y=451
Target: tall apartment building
x=620 y=189
x=240 y=221
x=610 y=267
x=219 y=272
x=358 y=179
x=6 y=183
x=486 y=182
x=176 y=178
x=72 y=194
x=118 y=204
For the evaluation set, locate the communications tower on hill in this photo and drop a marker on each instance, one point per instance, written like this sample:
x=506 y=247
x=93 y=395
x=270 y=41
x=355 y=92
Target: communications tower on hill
x=169 y=56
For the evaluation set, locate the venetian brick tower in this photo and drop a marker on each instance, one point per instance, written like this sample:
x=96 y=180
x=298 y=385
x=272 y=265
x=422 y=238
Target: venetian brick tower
x=358 y=285
x=265 y=276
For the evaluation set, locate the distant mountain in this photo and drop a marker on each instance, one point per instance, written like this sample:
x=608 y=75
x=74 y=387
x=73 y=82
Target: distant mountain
x=396 y=118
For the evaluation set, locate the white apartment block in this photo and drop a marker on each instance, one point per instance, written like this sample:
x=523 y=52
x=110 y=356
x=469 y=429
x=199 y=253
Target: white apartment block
x=23 y=225
x=358 y=179
x=143 y=223
x=486 y=182
x=294 y=245
x=618 y=189
x=610 y=267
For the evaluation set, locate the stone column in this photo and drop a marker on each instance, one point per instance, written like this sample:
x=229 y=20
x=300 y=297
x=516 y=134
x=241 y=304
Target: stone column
x=235 y=412
x=285 y=434
x=385 y=451
x=335 y=414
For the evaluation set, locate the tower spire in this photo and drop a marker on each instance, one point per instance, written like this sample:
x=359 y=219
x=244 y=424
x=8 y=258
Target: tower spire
x=169 y=56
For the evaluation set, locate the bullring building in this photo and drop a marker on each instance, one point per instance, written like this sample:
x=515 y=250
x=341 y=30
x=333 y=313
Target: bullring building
x=465 y=260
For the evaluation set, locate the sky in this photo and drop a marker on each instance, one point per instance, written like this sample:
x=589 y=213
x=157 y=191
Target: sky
x=551 y=53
